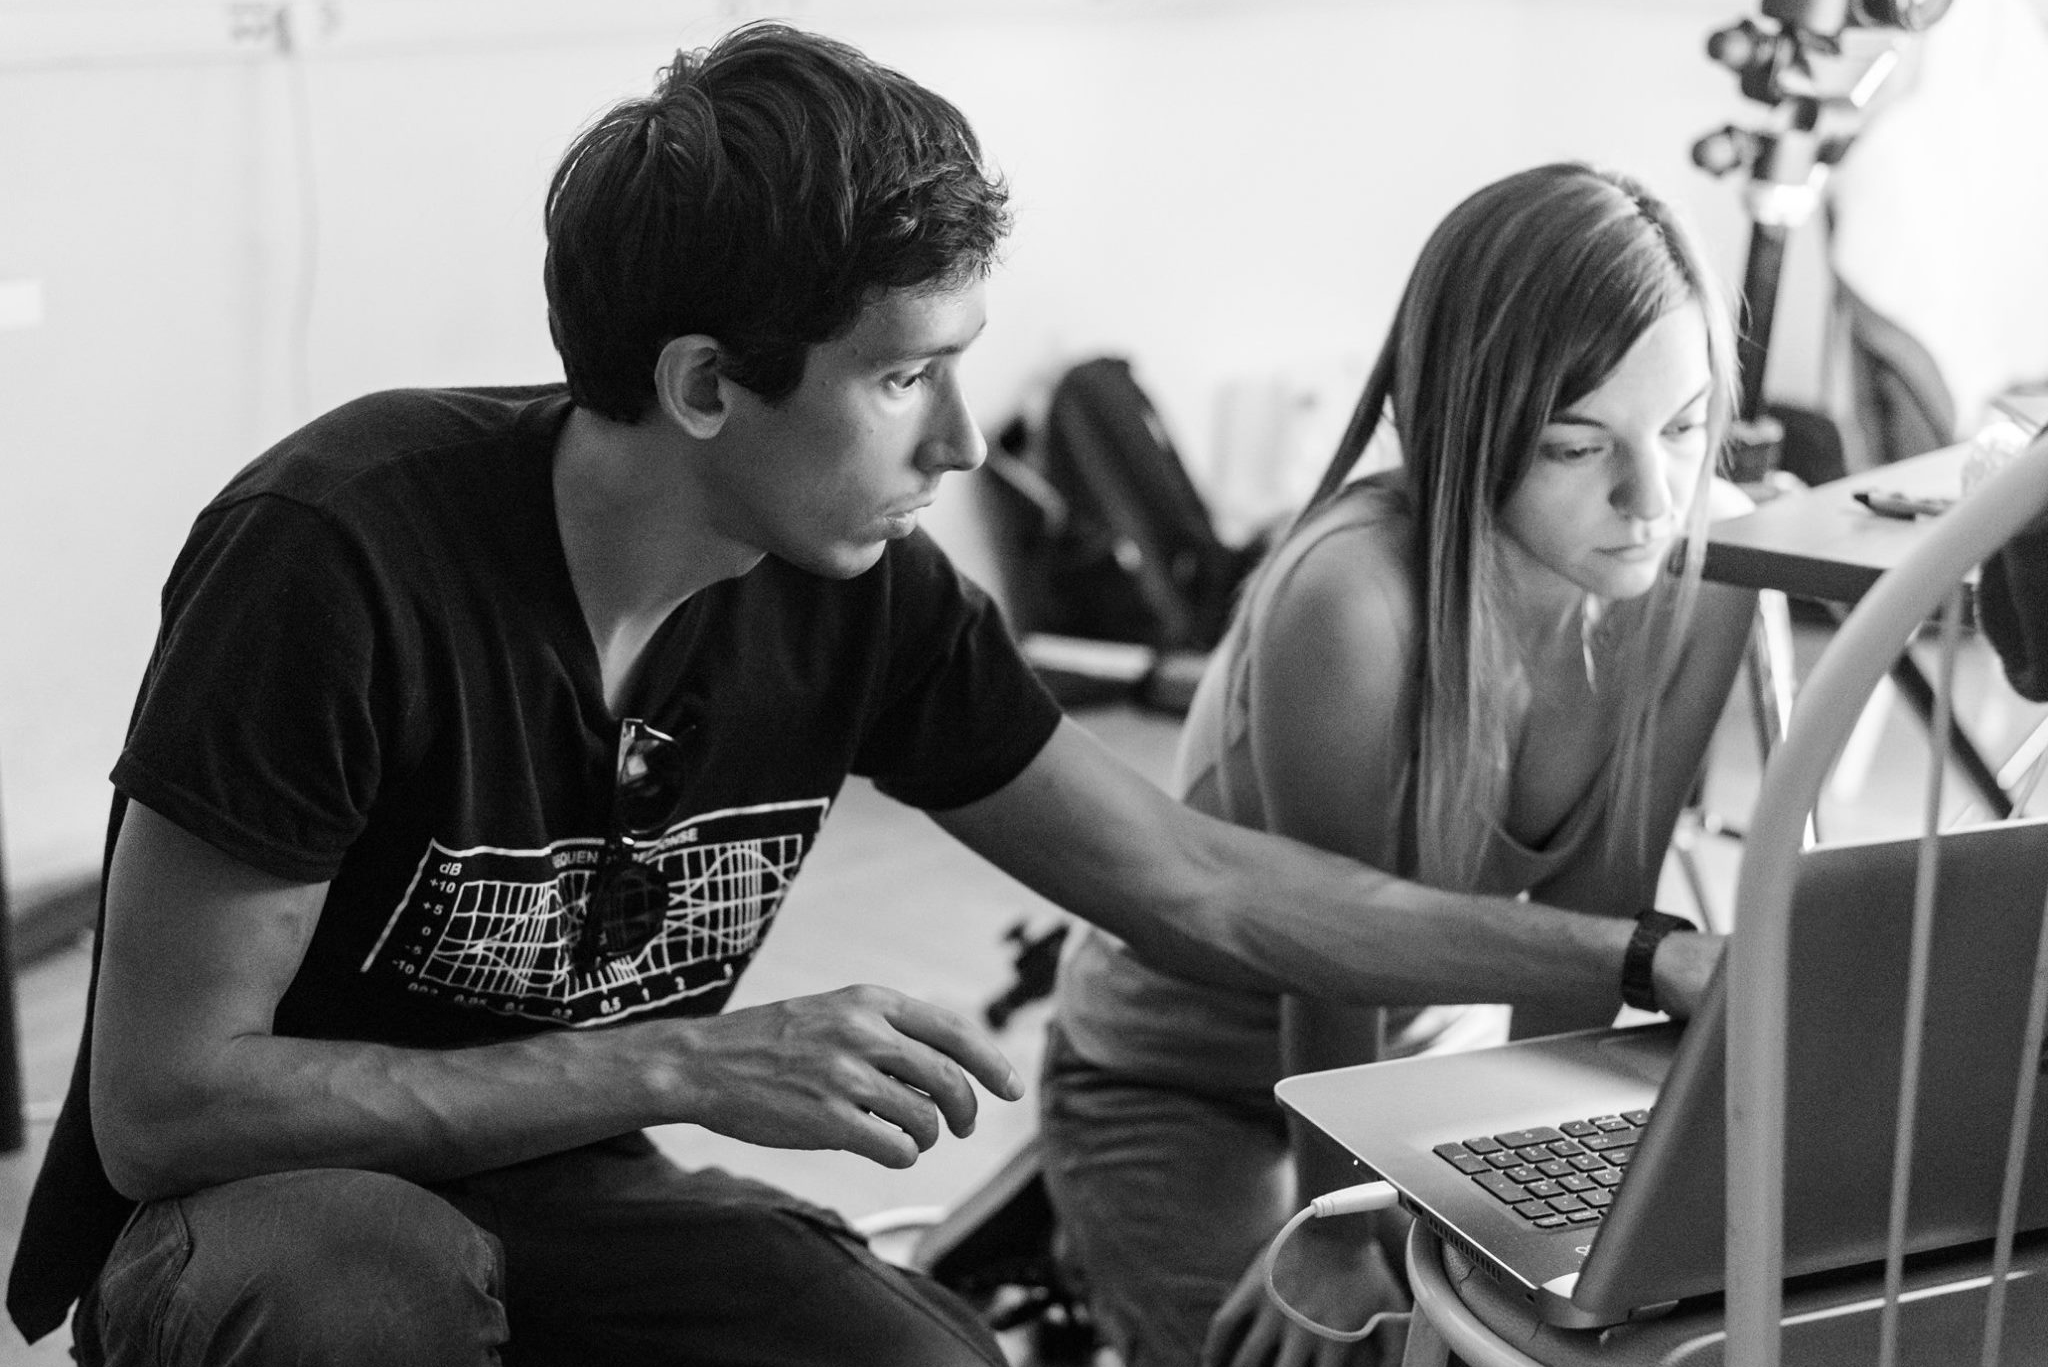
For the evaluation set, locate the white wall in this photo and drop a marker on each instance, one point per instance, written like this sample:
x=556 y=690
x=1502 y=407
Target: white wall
x=1228 y=193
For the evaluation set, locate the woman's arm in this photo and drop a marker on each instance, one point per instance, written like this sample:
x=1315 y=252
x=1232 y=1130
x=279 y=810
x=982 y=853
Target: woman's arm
x=1332 y=730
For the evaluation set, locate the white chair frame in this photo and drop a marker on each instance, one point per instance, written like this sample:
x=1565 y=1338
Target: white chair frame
x=1861 y=655
x=1825 y=712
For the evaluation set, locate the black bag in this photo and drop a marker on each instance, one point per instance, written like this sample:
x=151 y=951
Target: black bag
x=1127 y=551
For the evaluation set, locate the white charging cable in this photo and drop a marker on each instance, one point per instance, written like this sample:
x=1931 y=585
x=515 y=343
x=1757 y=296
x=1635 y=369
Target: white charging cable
x=1344 y=1201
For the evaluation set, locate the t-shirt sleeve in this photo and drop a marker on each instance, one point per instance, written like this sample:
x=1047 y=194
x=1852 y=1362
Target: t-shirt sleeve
x=255 y=728
x=962 y=711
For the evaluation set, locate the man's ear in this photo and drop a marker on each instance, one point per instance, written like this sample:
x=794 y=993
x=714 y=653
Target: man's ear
x=687 y=385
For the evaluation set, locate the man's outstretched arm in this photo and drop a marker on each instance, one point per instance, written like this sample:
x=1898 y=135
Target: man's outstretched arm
x=190 y=1088
x=1225 y=904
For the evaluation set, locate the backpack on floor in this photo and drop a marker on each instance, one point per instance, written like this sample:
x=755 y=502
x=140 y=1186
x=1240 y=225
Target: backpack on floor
x=1128 y=551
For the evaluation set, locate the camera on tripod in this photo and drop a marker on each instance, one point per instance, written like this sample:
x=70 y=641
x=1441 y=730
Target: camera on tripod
x=1816 y=64
x=1832 y=16
x=1829 y=52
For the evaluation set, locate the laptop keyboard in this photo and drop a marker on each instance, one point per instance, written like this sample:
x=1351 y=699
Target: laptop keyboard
x=1553 y=1176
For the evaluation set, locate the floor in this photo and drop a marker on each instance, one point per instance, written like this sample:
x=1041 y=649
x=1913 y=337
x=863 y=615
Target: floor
x=886 y=897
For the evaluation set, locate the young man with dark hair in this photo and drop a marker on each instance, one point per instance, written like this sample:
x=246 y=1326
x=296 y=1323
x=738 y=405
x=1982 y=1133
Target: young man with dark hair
x=485 y=729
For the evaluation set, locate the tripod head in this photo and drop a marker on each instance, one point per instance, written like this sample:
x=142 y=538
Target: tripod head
x=1815 y=64
x=1817 y=58
x=1832 y=16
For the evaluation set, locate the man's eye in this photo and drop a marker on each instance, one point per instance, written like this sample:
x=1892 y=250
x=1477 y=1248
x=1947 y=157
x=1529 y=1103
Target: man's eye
x=903 y=383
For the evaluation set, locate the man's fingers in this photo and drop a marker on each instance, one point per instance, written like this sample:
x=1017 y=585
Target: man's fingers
x=1264 y=1341
x=907 y=1075
x=915 y=1083
x=1228 y=1339
x=945 y=1090
x=910 y=1110
x=960 y=1040
x=918 y=1072
x=890 y=1070
x=876 y=1139
x=1225 y=1338
x=1250 y=1347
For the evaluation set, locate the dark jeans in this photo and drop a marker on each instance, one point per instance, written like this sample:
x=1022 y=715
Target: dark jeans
x=609 y=1254
x=1164 y=1195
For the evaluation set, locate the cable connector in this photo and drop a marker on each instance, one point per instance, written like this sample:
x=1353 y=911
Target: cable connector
x=1352 y=1200
x=1344 y=1201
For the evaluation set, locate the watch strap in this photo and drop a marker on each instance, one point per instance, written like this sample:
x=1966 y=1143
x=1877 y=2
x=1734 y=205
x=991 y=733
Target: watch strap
x=1638 y=987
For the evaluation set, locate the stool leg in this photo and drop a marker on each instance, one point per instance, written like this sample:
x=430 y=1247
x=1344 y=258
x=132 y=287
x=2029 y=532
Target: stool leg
x=1426 y=1348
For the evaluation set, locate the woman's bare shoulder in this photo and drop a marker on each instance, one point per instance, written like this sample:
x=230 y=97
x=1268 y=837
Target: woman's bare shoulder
x=1348 y=571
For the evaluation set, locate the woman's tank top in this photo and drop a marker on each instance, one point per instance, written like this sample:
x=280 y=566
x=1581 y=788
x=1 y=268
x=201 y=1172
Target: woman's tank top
x=1121 y=1013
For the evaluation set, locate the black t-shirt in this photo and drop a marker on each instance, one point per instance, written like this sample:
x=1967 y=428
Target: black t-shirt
x=373 y=671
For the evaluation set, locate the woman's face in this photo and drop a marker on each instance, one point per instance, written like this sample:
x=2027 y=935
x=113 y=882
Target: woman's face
x=1603 y=501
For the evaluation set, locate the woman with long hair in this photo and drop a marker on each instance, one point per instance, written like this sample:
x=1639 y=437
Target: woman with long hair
x=1492 y=668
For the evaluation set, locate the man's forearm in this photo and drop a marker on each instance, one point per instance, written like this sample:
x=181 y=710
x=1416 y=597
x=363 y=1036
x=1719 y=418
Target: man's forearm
x=268 y=1103
x=863 y=1069
x=1223 y=904
x=1310 y=922
x=1329 y=927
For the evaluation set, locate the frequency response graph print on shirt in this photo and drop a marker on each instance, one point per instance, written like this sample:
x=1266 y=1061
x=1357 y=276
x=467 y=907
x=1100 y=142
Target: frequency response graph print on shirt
x=492 y=928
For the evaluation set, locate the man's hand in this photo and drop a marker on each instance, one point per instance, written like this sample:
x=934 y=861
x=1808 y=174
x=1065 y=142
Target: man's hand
x=1681 y=969
x=1333 y=1271
x=863 y=1069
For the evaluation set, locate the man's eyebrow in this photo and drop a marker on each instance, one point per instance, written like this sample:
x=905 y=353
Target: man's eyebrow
x=1578 y=419
x=930 y=353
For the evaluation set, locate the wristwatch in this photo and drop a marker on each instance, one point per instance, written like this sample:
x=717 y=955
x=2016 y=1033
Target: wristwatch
x=1638 y=989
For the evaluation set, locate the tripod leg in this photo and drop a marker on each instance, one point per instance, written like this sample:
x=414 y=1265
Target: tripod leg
x=1913 y=682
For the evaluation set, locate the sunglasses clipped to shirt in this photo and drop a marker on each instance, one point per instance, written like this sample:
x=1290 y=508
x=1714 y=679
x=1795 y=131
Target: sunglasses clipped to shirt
x=628 y=898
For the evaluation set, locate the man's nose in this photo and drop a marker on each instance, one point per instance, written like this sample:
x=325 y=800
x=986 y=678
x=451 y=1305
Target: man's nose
x=956 y=442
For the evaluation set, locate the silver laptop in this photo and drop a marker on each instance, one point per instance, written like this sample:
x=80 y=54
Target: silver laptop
x=1585 y=1172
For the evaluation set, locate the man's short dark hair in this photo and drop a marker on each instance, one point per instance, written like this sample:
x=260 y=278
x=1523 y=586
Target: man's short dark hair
x=766 y=191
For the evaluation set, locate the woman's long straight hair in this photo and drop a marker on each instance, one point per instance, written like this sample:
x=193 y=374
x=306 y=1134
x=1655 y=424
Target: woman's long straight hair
x=1523 y=301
